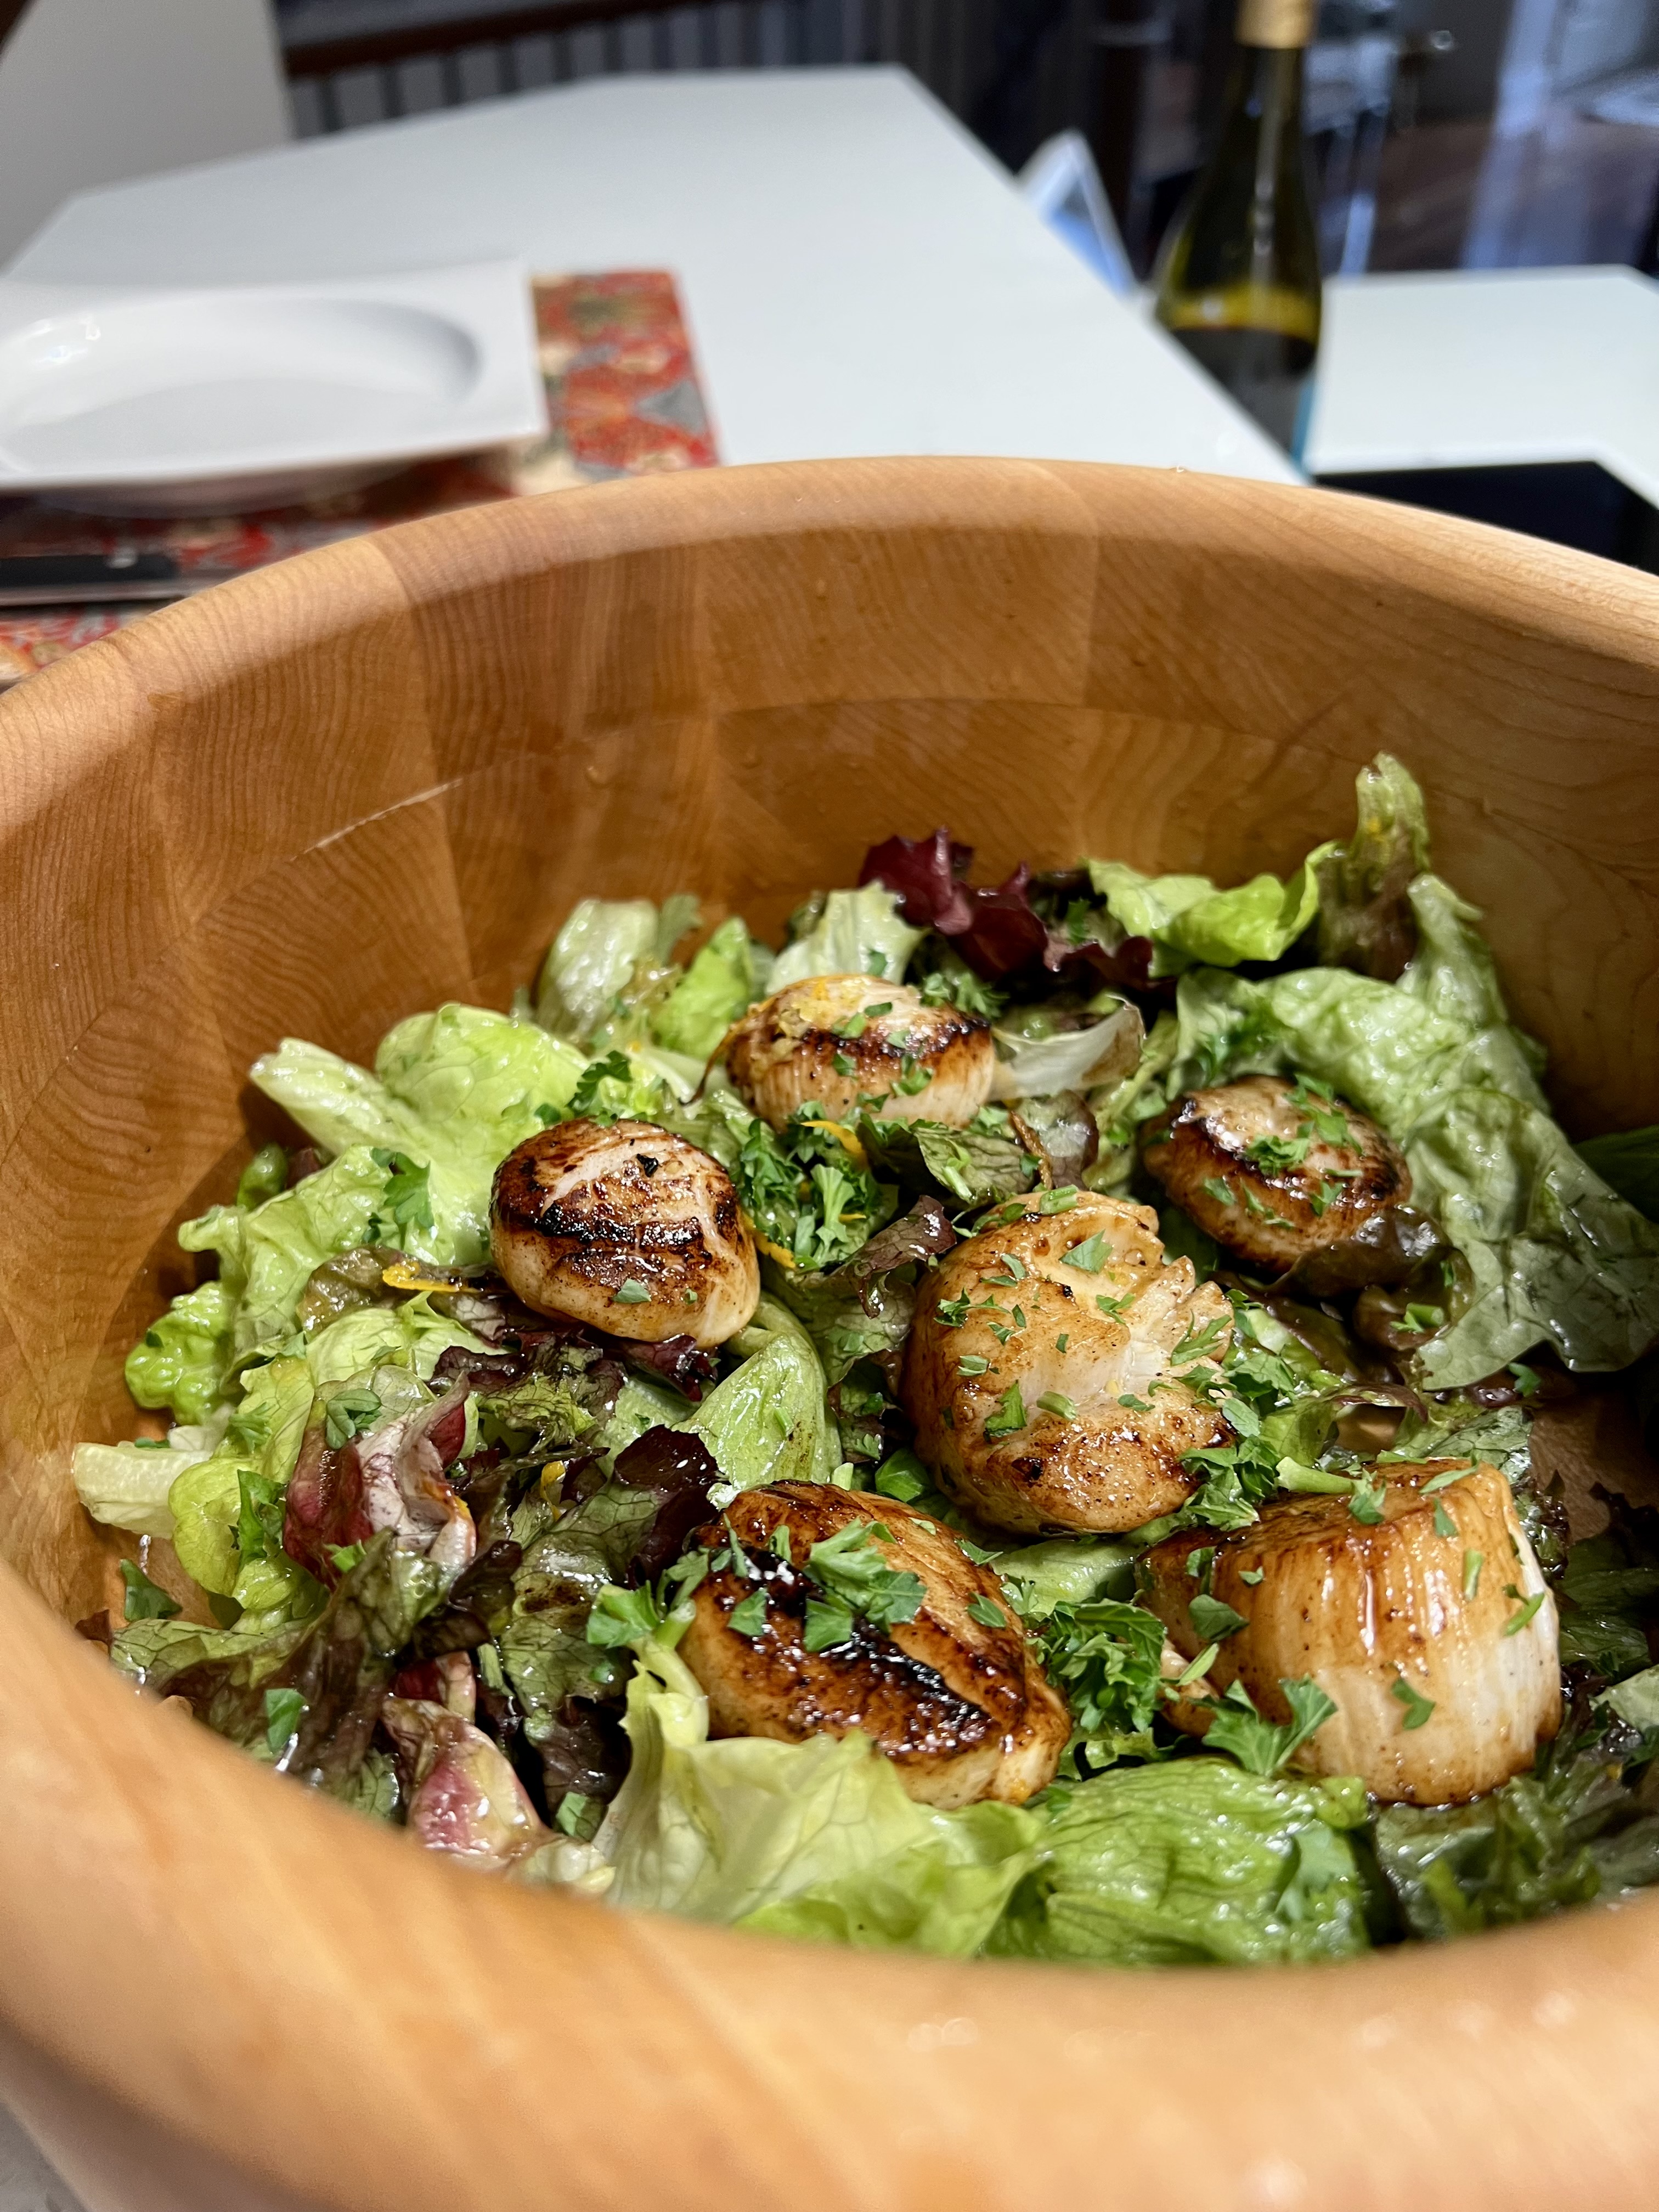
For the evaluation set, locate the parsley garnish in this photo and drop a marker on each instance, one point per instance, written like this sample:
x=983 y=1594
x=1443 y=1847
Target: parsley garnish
x=1418 y=1707
x=849 y=1567
x=986 y=1612
x=1090 y=1256
x=1056 y=1401
x=1214 y=1186
x=1214 y=1619
x=145 y=1600
x=953 y=1311
x=1365 y=1500
x=971 y=1364
x=1275 y=1155
x=1473 y=1562
x=1199 y=1344
x=282 y=1710
x=748 y=1616
x=828 y=1623
x=347 y=1415
x=407 y=1203
x=613 y=1068
x=1251 y=1575
x=1261 y=1746
x=632 y=1294
x=1425 y=1319
x=1444 y=1523
x=1009 y=1413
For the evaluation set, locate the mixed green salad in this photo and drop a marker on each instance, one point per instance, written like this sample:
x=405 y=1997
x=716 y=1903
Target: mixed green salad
x=1004 y=1426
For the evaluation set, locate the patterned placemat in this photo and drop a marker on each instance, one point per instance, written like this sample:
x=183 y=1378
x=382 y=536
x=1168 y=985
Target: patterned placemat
x=623 y=399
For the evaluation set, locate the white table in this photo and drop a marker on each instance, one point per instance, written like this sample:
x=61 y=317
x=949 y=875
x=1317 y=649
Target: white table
x=860 y=276
x=1506 y=366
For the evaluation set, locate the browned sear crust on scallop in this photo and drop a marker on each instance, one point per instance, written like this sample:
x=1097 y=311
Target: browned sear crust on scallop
x=1251 y=1165
x=958 y=1703
x=627 y=1227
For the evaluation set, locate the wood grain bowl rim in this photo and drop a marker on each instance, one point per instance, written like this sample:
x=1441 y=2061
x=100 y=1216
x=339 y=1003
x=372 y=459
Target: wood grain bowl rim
x=275 y=1980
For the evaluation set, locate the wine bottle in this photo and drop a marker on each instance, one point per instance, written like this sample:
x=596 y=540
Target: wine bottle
x=1238 y=280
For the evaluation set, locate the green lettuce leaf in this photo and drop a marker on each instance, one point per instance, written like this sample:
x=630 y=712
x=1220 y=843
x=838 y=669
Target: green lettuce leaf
x=1189 y=921
x=858 y=934
x=267 y=1255
x=610 y=967
x=815 y=1838
x=410 y=1334
x=768 y=1420
x=183 y=1358
x=127 y=1485
x=1365 y=918
x=206 y=1500
x=713 y=991
x=1190 y=1863
x=454 y=1091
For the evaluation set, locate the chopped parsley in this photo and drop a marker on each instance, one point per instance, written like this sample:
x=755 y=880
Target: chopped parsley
x=633 y=1294
x=1444 y=1523
x=1214 y=1619
x=406 y=1202
x=1262 y=1745
x=1214 y=1186
x=828 y=1622
x=1473 y=1563
x=986 y=1612
x=1090 y=1256
x=347 y=1413
x=748 y=1616
x=1517 y=1621
x=145 y=1600
x=1418 y=1707
x=1056 y=1401
x=1009 y=1413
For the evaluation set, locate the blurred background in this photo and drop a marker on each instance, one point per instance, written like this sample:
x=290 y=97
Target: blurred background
x=1444 y=134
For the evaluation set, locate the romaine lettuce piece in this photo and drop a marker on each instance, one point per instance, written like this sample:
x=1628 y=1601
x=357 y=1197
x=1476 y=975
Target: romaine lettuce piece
x=859 y=933
x=1191 y=1862
x=811 y=1838
x=184 y=1356
x=710 y=995
x=126 y=1485
x=1189 y=921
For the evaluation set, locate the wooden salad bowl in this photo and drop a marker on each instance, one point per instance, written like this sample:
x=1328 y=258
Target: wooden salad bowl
x=376 y=777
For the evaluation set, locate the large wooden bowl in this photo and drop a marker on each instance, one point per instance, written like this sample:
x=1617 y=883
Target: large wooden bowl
x=376 y=777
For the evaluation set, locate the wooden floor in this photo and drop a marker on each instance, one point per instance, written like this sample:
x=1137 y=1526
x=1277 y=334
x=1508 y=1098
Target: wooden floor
x=1449 y=195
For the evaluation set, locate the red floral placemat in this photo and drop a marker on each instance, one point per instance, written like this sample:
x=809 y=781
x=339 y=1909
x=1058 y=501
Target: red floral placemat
x=623 y=399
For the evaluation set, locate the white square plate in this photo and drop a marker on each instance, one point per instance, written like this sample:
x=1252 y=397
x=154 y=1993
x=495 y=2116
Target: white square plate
x=135 y=400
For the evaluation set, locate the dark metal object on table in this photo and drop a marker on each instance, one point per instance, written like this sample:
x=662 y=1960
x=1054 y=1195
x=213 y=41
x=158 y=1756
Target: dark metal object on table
x=82 y=579
x=1131 y=37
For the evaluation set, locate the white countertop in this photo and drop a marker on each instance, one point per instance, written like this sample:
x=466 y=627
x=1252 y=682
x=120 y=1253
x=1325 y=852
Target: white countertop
x=1502 y=365
x=860 y=276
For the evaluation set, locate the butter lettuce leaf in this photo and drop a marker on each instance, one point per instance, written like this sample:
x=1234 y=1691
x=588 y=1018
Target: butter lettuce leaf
x=1556 y=1256
x=716 y=988
x=1191 y=1862
x=859 y=933
x=126 y=1485
x=267 y=1254
x=768 y=1420
x=206 y=1500
x=1629 y=1164
x=1189 y=921
x=453 y=1091
x=183 y=1358
x=815 y=1838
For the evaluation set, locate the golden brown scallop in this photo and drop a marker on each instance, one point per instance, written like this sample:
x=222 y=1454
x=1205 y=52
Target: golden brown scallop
x=626 y=1227
x=1272 y=1175
x=1106 y=1346
x=953 y=1697
x=1367 y=1607
x=831 y=1040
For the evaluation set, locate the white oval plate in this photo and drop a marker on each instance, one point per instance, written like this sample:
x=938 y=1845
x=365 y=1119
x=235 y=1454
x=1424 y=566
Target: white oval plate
x=142 y=400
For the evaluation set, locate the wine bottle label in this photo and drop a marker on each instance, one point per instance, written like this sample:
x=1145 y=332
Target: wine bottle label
x=1275 y=23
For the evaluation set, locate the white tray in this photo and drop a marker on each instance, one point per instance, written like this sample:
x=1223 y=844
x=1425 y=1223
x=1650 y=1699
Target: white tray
x=133 y=400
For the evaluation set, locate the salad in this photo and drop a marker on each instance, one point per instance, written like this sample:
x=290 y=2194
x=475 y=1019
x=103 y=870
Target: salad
x=1004 y=1426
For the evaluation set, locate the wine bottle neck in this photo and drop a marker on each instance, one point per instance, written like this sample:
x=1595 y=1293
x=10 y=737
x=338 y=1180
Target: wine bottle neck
x=1281 y=24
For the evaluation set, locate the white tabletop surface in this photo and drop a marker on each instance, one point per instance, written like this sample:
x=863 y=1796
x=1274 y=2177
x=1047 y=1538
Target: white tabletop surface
x=1509 y=365
x=860 y=276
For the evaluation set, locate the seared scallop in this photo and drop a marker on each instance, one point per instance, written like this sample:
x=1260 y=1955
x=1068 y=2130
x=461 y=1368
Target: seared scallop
x=1431 y=1629
x=1274 y=1170
x=1058 y=1368
x=831 y=1040
x=952 y=1695
x=626 y=1227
